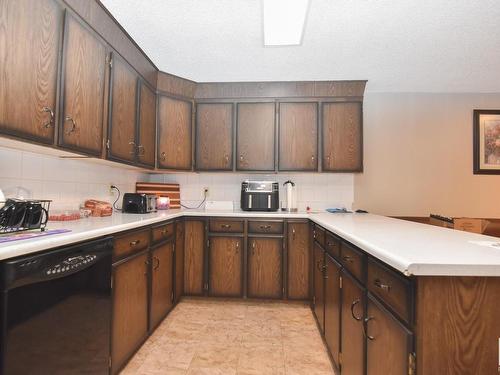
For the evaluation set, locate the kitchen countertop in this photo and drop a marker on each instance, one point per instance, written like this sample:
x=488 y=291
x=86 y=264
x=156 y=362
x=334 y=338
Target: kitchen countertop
x=412 y=248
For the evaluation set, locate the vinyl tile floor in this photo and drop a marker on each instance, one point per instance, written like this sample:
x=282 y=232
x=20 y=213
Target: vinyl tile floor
x=209 y=337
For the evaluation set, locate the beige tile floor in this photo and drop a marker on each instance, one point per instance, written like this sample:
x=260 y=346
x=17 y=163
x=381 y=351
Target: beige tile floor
x=234 y=337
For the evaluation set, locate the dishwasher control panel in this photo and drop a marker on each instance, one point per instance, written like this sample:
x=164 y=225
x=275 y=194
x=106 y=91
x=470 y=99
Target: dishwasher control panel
x=71 y=264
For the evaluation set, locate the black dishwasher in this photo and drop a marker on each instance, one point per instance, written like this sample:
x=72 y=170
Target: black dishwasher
x=56 y=311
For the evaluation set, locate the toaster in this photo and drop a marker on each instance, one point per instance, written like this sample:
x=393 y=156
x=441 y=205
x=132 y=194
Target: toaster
x=135 y=203
x=259 y=196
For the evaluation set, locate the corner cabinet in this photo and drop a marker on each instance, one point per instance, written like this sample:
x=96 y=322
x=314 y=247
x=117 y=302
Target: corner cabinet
x=85 y=59
x=31 y=38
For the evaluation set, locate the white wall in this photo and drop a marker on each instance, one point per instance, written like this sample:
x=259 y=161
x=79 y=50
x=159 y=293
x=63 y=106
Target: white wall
x=418 y=156
x=67 y=182
x=315 y=190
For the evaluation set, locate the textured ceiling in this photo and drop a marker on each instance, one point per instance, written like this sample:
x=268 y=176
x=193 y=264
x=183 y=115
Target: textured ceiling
x=397 y=45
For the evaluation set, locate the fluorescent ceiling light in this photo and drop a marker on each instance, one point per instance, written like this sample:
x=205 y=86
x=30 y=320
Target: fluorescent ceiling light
x=284 y=21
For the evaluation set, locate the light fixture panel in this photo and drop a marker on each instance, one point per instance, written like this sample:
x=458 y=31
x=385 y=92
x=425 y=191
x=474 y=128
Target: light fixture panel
x=284 y=21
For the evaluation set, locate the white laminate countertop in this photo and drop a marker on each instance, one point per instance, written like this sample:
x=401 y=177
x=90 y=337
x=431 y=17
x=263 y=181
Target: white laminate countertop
x=412 y=248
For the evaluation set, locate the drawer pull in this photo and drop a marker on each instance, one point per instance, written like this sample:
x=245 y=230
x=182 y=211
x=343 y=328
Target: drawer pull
x=347 y=258
x=353 y=305
x=330 y=243
x=164 y=232
x=225 y=226
x=365 y=328
x=265 y=227
x=378 y=283
x=134 y=243
x=293 y=233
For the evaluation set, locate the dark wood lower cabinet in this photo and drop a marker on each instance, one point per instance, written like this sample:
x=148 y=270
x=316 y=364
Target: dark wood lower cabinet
x=319 y=286
x=194 y=250
x=299 y=259
x=162 y=278
x=352 y=337
x=265 y=268
x=130 y=308
x=332 y=307
x=179 y=260
x=389 y=343
x=225 y=263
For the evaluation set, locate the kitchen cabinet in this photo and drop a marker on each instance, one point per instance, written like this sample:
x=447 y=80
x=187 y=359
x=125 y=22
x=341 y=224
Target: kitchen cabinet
x=179 y=260
x=298 y=136
x=255 y=136
x=352 y=337
x=389 y=343
x=146 y=143
x=319 y=286
x=162 y=278
x=31 y=33
x=174 y=133
x=299 y=259
x=130 y=308
x=194 y=253
x=122 y=137
x=214 y=136
x=265 y=266
x=225 y=265
x=83 y=84
x=332 y=307
x=342 y=137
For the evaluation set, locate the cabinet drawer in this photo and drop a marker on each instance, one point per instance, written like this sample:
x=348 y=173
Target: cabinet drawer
x=131 y=243
x=162 y=232
x=272 y=227
x=352 y=259
x=226 y=226
x=393 y=289
x=332 y=245
x=319 y=235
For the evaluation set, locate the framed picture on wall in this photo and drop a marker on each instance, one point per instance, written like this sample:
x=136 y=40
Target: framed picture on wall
x=486 y=141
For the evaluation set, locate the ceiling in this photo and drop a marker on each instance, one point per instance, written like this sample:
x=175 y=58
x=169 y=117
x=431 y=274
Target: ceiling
x=397 y=45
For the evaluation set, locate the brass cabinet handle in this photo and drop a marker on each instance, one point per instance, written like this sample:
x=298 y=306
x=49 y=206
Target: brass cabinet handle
x=293 y=233
x=320 y=268
x=265 y=227
x=379 y=284
x=163 y=156
x=147 y=264
x=134 y=243
x=133 y=152
x=241 y=157
x=50 y=123
x=164 y=232
x=347 y=258
x=141 y=150
x=237 y=247
x=353 y=305
x=225 y=226
x=312 y=158
x=157 y=265
x=365 y=328
x=73 y=125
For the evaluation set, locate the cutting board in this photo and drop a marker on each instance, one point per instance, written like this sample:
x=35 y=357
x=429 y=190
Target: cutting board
x=173 y=191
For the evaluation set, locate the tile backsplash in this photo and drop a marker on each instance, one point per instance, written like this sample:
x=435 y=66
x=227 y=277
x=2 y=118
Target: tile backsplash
x=68 y=182
x=315 y=190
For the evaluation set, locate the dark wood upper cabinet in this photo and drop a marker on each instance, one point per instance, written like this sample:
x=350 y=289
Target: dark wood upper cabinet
x=299 y=260
x=225 y=263
x=342 y=137
x=174 y=133
x=319 y=285
x=130 y=309
x=298 y=137
x=84 y=71
x=389 y=343
x=194 y=250
x=332 y=307
x=255 y=135
x=122 y=111
x=29 y=54
x=214 y=136
x=162 y=268
x=265 y=267
x=146 y=142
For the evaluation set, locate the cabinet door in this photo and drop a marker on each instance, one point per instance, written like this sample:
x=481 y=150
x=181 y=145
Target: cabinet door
x=298 y=140
x=332 y=307
x=147 y=126
x=194 y=245
x=265 y=262
x=352 y=338
x=84 y=66
x=162 y=267
x=122 y=111
x=30 y=37
x=179 y=260
x=342 y=137
x=174 y=133
x=225 y=262
x=130 y=309
x=255 y=134
x=319 y=285
x=214 y=136
x=298 y=260
x=389 y=343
